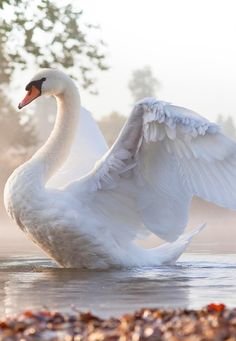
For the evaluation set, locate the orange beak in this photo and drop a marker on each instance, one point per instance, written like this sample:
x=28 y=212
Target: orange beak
x=30 y=96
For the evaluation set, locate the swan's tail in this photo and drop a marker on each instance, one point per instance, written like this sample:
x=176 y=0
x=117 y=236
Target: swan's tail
x=168 y=253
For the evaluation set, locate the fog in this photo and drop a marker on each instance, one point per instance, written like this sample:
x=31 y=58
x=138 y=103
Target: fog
x=190 y=45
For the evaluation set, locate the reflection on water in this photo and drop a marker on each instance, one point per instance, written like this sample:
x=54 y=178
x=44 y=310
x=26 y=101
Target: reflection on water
x=195 y=280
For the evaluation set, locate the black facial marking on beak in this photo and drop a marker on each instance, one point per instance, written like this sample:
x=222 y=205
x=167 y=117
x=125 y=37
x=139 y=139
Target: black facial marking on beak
x=34 y=90
x=37 y=84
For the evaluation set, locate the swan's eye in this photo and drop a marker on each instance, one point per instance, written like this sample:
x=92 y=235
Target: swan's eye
x=28 y=86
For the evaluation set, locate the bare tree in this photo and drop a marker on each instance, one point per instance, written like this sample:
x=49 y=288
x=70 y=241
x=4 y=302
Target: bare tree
x=143 y=84
x=111 y=126
x=228 y=126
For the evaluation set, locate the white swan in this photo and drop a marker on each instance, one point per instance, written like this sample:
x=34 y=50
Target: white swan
x=163 y=156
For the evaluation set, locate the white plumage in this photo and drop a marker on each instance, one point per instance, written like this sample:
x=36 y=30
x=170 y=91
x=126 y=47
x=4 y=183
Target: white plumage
x=163 y=156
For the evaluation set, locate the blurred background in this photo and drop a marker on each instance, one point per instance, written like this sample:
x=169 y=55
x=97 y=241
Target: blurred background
x=117 y=52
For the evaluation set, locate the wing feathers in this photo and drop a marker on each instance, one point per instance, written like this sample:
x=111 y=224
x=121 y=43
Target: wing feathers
x=168 y=154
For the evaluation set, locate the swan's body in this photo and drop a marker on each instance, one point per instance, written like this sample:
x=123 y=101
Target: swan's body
x=144 y=182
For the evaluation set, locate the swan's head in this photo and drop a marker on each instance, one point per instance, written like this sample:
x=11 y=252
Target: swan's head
x=45 y=82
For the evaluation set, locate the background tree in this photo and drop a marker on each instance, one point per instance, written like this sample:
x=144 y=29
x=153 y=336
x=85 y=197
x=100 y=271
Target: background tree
x=46 y=34
x=111 y=126
x=143 y=84
x=14 y=132
x=228 y=126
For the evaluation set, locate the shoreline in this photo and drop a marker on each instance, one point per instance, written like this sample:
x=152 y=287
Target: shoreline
x=213 y=322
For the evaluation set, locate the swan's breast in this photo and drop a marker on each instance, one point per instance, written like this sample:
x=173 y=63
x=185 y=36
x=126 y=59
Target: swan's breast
x=22 y=191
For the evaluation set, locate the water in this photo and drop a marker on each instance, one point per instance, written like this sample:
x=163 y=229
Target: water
x=34 y=282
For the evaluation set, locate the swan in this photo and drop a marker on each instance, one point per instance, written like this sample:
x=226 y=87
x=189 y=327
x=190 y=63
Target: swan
x=85 y=204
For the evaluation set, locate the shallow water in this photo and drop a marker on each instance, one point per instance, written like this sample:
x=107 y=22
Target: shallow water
x=28 y=281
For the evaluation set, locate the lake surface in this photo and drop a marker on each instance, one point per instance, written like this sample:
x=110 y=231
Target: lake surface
x=33 y=282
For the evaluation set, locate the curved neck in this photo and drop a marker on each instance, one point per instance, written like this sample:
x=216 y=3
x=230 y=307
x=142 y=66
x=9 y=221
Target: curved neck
x=56 y=149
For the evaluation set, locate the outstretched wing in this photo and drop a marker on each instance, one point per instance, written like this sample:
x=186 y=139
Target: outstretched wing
x=164 y=155
x=88 y=147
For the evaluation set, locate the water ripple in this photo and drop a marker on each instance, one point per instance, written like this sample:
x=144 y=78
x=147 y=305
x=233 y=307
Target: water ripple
x=28 y=281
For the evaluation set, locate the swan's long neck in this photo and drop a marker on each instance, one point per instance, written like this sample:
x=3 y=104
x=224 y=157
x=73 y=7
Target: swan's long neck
x=54 y=152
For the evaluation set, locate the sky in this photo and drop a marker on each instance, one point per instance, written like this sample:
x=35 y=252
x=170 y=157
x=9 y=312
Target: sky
x=189 y=44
